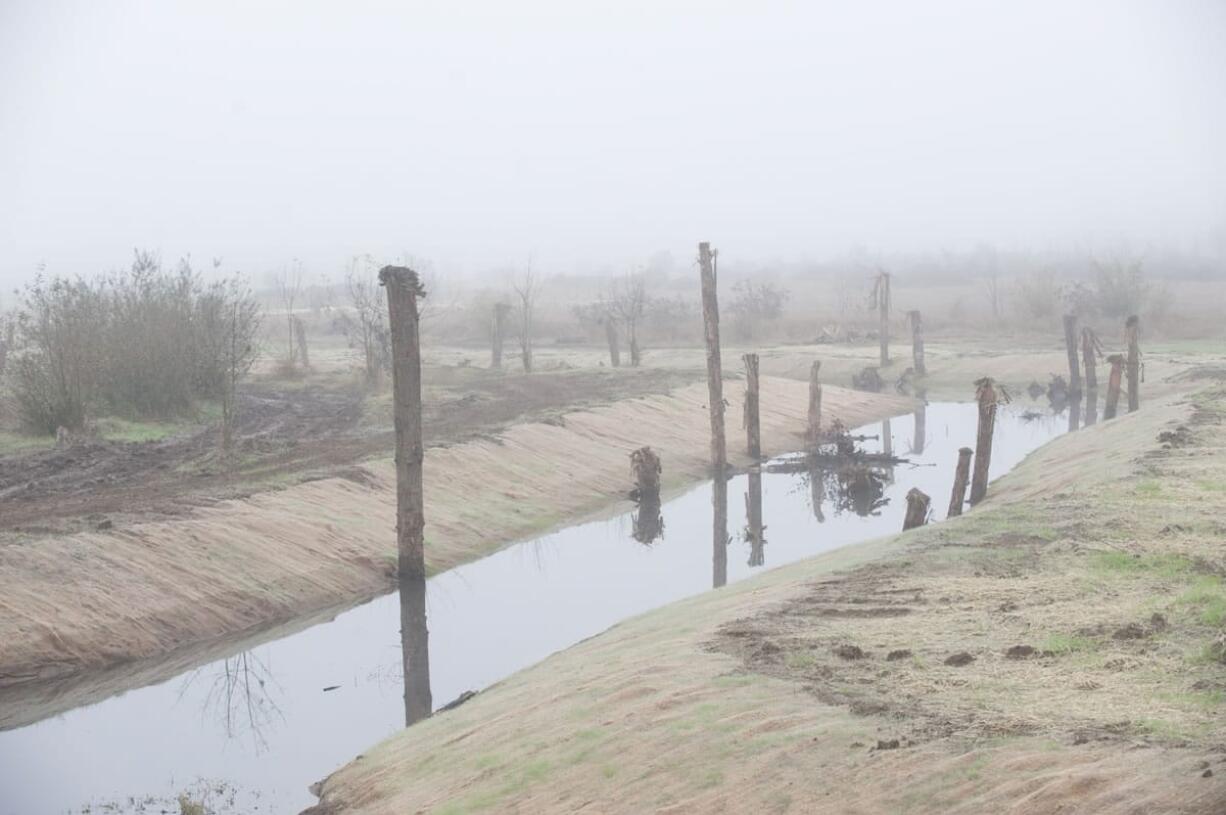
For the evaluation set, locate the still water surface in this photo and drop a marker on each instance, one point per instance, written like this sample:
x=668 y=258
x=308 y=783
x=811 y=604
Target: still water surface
x=265 y=723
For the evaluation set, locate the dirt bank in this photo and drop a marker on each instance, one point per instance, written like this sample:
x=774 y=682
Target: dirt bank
x=1058 y=649
x=90 y=600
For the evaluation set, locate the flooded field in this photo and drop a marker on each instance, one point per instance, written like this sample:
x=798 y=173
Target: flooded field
x=253 y=729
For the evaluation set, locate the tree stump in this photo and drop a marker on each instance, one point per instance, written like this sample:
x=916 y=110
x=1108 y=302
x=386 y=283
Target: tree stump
x=962 y=477
x=917 y=509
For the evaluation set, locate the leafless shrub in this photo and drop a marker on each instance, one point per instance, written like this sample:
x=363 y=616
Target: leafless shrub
x=366 y=327
x=1038 y=294
x=527 y=287
x=754 y=303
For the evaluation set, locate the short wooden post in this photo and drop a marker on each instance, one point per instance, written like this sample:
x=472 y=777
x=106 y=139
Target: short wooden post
x=1114 y=380
x=815 y=403
x=917 y=509
x=1132 y=334
x=917 y=343
x=753 y=433
x=646 y=467
x=498 y=330
x=753 y=518
x=403 y=291
x=1070 y=345
x=962 y=477
x=1089 y=360
x=610 y=332
x=987 y=397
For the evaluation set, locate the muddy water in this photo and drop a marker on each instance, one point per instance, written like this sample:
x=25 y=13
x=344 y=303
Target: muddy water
x=252 y=730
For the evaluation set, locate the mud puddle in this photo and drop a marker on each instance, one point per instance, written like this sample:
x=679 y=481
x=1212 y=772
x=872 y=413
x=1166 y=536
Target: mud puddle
x=272 y=719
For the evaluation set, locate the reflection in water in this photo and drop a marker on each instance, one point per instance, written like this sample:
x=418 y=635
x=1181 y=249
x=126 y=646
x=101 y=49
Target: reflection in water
x=1074 y=412
x=921 y=430
x=753 y=518
x=488 y=619
x=1091 y=407
x=719 y=535
x=887 y=447
x=240 y=696
x=415 y=648
x=648 y=522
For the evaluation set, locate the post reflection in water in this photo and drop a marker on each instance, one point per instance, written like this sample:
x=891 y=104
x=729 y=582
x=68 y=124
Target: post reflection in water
x=415 y=648
x=921 y=420
x=753 y=518
x=648 y=521
x=1091 y=407
x=719 y=533
x=1074 y=412
x=887 y=447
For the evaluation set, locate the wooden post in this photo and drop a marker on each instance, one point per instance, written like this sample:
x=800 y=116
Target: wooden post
x=1070 y=345
x=1089 y=356
x=1132 y=333
x=403 y=290
x=1114 y=380
x=917 y=509
x=1074 y=413
x=753 y=435
x=715 y=382
x=719 y=536
x=610 y=332
x=962 y=477
x=917 y=343
x=497 y=332
x=883 y=306
x=300 y=336
x=986 y=395
x=645 y=465
x=753 y=518
x=815 y=403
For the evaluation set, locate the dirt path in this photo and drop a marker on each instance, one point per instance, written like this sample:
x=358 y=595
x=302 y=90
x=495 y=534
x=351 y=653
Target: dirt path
x=93 y=599
x=1058 y=649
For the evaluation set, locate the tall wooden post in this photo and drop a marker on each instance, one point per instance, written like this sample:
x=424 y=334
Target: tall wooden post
x=917 y=509
x=715 y=382
x=1070 y=345
x=815 y=403
x=610 y=332
x=1114 y=379
x=962 y=477
x=987 y=397
x=715 y=409
x=1089 y=360
x=753 y=435
x=1132 y=334
x=403 y=290
x=498 y=331
x=917 y=343
x=883 y=308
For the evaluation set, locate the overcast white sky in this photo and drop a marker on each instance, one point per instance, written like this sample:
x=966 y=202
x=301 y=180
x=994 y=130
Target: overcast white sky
x=478 y=134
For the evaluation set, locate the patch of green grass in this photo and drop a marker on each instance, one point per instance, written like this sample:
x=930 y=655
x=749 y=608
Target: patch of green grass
x=1122 y=563
x=14 y=443
x=1207 y=595
x=487 y=761
x=799 y=660
x=608 y=770
x=1148 y=489
x=1060 y=644
x=125 y=430
x=1212 y=485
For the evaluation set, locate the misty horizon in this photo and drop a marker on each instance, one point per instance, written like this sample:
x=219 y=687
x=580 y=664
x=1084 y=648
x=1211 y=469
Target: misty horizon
x=588 y=140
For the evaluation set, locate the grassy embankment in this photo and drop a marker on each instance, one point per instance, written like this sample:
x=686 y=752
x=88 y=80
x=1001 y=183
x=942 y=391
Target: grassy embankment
x=1059 y=648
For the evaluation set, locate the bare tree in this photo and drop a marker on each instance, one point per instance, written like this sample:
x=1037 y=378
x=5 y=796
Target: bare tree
x=229 y=320
x=626 y=303
x=527 y=287
x=289 y=286
x=366 y=327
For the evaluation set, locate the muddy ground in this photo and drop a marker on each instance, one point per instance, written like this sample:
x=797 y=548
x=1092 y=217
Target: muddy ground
x=287 y=432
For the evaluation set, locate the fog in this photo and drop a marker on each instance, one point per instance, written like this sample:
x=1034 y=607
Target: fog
x=585 y=136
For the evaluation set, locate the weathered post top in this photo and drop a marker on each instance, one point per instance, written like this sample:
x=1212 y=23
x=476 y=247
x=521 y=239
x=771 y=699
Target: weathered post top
x=401 y=276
